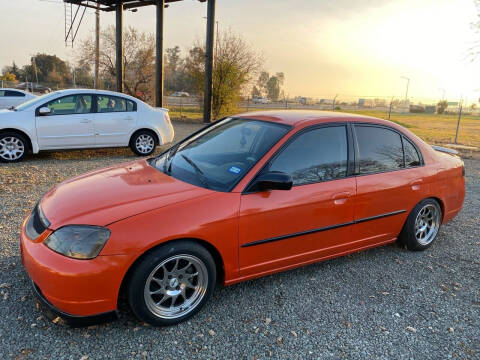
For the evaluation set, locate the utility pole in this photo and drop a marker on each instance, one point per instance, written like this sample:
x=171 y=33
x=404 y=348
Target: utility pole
x=333 y=103
x=97 y=46
x=459 y=117
x=406 y=92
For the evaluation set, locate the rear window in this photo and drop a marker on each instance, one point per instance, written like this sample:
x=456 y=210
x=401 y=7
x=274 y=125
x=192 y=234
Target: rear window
x=12 y=93
x=379 y=149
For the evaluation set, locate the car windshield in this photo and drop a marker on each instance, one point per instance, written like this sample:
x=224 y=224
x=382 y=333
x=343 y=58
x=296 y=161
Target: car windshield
x=218 y=157
x=34 y=101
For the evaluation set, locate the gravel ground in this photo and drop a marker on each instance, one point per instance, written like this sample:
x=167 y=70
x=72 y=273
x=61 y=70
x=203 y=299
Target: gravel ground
x=385 y=303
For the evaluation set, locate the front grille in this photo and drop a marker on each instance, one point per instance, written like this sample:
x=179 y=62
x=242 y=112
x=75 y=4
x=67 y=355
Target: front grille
x=35 y=226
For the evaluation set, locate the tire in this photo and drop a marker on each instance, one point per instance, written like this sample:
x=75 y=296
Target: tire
x=160 y=290
x=13 y=147
x=422 y=225
x=143 y=143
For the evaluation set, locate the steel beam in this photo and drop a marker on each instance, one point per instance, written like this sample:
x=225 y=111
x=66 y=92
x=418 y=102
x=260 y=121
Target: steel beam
x=207 y=100
x=119 y=47
x=159 y=55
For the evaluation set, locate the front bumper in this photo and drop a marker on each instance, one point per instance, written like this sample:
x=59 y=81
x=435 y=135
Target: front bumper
x=73 y=288
x=73 y=320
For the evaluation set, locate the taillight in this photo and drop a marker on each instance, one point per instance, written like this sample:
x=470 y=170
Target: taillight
x=167 y=118
x=463 y=170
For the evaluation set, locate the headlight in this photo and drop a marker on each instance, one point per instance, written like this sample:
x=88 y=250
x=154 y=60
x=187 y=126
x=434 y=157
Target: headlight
x=78 y=241
x=37 y=223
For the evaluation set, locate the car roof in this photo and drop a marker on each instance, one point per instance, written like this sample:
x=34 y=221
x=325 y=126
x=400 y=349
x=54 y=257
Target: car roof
x=19 y=90
x=92 y=91
x=309 y=117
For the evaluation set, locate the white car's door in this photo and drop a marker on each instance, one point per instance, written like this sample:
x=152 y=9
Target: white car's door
x=69 y=124
x=114 y=120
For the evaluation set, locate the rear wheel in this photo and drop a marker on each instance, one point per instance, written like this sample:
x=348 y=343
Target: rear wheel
x=143 y=143
x=171 y=283
x=13 y=147
x=422 y=225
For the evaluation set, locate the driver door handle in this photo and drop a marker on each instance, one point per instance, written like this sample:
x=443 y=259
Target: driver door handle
x=85 y=121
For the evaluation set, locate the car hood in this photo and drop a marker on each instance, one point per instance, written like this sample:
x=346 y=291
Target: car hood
x=115 y=193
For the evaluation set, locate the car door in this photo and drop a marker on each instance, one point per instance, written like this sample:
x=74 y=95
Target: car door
x=68 y=125
x=114 y=120
x=389 y=183
x=280 y=228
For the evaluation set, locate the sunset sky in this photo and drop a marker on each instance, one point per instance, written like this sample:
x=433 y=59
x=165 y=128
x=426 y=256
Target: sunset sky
x=346 y=47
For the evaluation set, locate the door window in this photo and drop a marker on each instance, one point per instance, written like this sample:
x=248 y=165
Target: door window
x=411 y=154
x=107 y=103
x=72 y=104
x=315 y=156
x=379 y=149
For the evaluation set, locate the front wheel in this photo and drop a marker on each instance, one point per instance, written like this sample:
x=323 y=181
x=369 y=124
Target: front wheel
x=143 y=143
x=171 y=283
x=422 y=225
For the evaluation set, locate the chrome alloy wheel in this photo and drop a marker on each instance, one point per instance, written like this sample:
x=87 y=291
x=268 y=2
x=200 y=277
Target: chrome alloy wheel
x=145 y=143
x=427 y=224
x=176 y=286
x=11 y=148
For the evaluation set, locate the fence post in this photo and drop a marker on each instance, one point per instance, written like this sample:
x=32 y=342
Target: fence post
x=181 y=106
x=458 y=122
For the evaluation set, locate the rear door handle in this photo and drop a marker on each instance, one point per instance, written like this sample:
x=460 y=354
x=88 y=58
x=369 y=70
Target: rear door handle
x=85 y=121
x=415 y=184
x=128 y=118
x=341 y=198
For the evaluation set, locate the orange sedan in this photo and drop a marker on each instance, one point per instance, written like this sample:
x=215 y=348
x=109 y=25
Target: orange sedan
x=244 y=197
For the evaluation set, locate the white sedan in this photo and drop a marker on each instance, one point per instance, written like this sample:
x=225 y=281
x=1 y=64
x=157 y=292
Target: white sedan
x=13 y=97
x=75 y=119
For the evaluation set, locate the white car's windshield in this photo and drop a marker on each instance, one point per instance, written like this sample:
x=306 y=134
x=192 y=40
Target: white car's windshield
x=33 y=101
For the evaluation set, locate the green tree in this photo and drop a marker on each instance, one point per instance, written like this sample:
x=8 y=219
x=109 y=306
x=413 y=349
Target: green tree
x=274 y=85
x=235 y=66
x=442 y=106
x=12 y=69
x=262 y=82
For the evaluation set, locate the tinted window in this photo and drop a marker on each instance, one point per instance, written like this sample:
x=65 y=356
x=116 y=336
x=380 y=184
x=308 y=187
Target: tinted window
x=380 y=149
x=114 y=104
x=14 y=93
x=314 y=156
x=221 y=155
x=411 y=154
x=73 y=104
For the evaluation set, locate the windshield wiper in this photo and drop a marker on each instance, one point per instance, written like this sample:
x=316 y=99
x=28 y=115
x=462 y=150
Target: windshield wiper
x=167 y=164
x=199 y=172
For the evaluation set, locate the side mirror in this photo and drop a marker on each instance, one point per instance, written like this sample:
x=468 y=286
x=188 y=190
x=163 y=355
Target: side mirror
x=273 y=180
x=44 y=111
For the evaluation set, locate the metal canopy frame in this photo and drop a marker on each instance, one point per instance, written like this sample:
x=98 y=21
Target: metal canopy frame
x=111 y=5
x=119 y=5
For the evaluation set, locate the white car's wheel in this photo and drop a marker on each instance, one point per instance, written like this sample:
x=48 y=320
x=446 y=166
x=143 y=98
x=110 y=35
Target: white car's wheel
x=143 y=143
x=13 y=147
